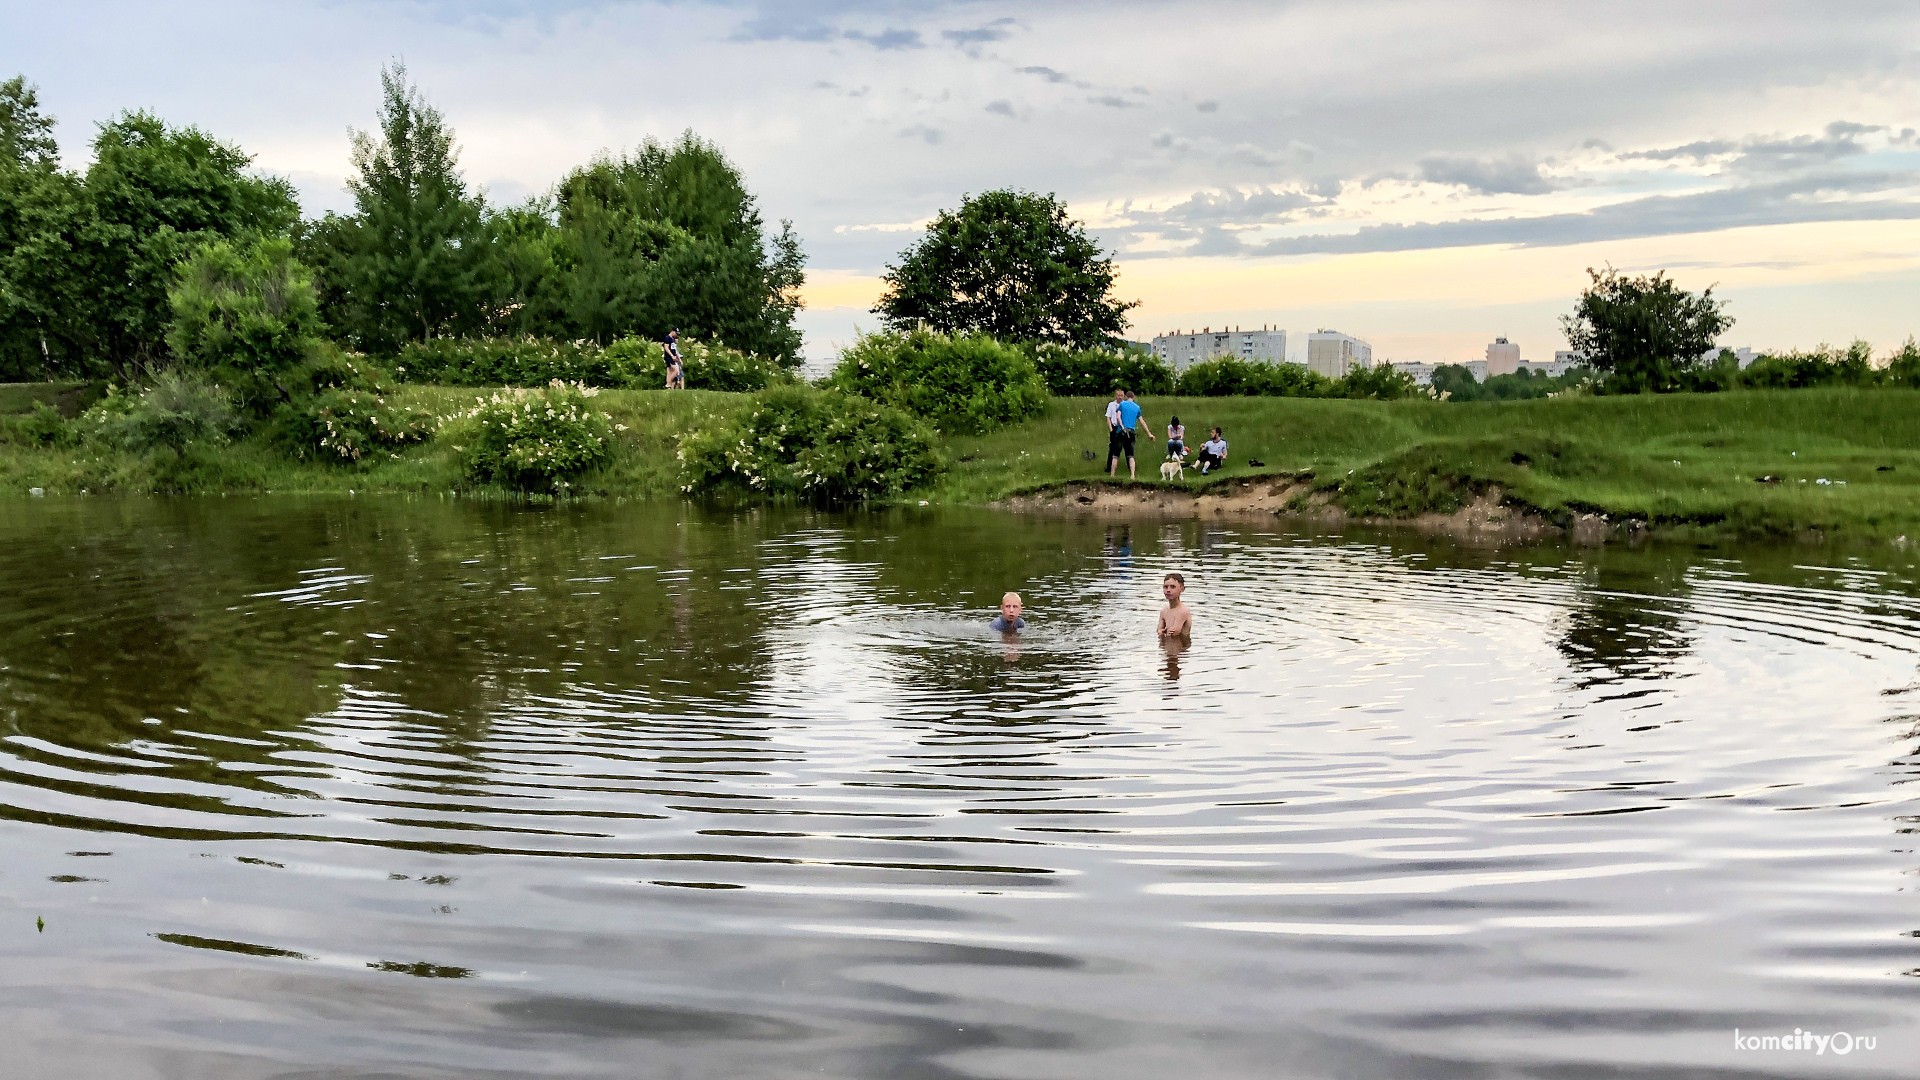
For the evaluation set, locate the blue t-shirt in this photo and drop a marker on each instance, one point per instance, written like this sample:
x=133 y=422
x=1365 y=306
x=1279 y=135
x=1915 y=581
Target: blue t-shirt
x=1000 y=623
x=1129 y=415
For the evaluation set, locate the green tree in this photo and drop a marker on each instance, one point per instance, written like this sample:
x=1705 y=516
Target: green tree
x=1643 y=332
x=669 y=236
x=1010 y=264
x=246 y=315
x=413 y=261
x=154 y=195
x=41 y=209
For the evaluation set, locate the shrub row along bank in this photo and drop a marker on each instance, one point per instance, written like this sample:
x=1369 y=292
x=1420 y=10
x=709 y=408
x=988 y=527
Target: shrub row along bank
x=627 y=364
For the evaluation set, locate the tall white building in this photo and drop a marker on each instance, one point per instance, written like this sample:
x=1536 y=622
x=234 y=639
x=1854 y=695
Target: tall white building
x=1181 y=349
x=1420 y=370
x=1503 y=357
x=1333 y=354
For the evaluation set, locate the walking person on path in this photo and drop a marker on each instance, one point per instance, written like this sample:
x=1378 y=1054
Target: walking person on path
x=1124 y=429
x=676 y=368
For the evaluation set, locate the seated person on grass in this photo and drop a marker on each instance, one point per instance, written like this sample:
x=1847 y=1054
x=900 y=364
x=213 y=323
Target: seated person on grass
x=1213 y=452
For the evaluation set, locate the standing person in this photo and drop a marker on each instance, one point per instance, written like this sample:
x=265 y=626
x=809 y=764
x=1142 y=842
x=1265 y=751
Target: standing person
x=1123 y=436
x=1176 y=621
x=1113 y=428
x=1213 y=452
x=1176 y=438
x=676 y=368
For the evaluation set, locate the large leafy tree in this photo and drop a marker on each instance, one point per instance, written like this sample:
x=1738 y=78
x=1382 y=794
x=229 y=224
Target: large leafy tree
x=1644 y=332
x=85 y=262
x=413 y=261
x=1011 y=264
x=154 y=196
x=669 y=236
x=40 y=214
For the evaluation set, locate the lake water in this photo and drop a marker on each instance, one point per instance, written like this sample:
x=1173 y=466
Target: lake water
x=423 y=788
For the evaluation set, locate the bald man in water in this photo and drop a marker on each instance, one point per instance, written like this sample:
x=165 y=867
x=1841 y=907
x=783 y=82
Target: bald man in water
x=1009 y=619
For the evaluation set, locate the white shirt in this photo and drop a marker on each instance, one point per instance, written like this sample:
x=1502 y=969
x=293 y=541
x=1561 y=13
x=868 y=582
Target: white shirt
x=1216 y=447
x=1113 y=413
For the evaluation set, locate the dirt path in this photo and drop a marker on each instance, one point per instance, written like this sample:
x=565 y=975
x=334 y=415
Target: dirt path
x=1488 y=518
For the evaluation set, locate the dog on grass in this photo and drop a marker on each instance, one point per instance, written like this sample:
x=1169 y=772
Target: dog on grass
x=1174 y=468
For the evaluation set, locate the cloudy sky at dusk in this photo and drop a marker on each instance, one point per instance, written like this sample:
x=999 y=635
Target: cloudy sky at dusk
x=1425 y=175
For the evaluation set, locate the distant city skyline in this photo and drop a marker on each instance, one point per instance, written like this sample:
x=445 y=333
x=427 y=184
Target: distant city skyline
x=1423 y=177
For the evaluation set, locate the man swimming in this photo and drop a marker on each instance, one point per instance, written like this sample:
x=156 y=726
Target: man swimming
x=1009 y=620
x=1176 y=621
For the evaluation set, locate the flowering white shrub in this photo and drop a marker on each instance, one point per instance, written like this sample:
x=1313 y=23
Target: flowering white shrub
x=535 y=439
x=821 y=444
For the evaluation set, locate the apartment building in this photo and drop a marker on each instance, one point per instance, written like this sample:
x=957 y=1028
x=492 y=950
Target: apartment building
x=1182 y=348
x=1333 y=354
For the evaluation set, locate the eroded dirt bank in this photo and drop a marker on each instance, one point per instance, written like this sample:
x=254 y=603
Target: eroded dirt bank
x=1488 y=517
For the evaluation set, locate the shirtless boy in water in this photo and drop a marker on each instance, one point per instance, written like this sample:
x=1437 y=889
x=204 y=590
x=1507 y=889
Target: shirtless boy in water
x=1176 y=621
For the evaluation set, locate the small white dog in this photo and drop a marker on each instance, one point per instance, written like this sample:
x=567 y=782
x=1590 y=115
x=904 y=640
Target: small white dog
x=1174 y=468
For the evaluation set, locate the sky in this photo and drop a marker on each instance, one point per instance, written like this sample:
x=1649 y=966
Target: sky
x=1425 y=175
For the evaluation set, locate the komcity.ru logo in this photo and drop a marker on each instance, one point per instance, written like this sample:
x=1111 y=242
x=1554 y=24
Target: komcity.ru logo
x=1839 y=1042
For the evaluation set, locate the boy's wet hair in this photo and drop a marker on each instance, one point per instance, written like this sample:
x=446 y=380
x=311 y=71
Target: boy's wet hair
x=1174 y=577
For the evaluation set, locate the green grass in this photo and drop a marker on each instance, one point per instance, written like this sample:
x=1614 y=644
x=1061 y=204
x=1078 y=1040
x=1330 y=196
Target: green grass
x=643 y=463
x=1680 y=462
x=1677 y=461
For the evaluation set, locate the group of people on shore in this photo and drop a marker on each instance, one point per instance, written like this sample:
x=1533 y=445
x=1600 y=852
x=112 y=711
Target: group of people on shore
x=1175 y=623
x=1124 y=422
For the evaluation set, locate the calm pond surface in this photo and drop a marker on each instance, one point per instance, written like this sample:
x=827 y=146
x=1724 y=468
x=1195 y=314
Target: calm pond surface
x=331 y=788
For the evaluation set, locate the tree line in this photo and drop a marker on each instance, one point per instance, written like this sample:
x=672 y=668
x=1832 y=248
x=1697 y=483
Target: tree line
x=664 y=236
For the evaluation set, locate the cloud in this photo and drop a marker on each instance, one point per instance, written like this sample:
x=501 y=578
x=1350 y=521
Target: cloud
x=1512 y=175
x=1774 y=154
x=931 y=135
x=1001 y=108
x=1208 y=106
x=1046 y=73
x=888 y=40
x=1113 y=102
x=980 y=35
x=1835 y=197
x=1207 y=216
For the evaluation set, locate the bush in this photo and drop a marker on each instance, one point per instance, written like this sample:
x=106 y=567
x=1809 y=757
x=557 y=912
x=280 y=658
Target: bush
x=534 y=439
x=179 y=409
x=509 y=361
x=1380 y=381
x=1098 y=372
x=1232 y=377
x=244 y=315
x=339 y=411
x=821 y=444
x=44 y=426
x=1903 y=367
x=640 y=364
x=966 y=384
x=1818 y=367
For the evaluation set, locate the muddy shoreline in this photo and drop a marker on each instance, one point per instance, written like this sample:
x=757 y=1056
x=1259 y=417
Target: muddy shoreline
x=1489 y=518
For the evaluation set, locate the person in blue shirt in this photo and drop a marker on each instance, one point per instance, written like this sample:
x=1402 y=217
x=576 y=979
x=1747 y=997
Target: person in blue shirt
x=1123 y=436
x=1009 y=619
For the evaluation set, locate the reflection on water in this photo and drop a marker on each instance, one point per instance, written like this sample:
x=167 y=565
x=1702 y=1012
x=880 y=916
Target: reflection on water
x=428 y=789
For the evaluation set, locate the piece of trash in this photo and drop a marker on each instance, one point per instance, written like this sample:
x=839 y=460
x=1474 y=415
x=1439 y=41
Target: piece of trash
x=1088 y=454
x=1825 y=481
x=1768 y=479
x=1256 y=463
x=923 y=502
x=1884 y=468
x=36 y=492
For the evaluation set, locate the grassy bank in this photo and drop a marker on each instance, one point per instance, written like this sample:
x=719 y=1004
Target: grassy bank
x=642 y=464
x=1689 y=461
x=1684 y=462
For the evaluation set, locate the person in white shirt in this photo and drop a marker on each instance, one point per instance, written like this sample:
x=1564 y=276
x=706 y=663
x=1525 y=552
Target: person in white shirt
x=1213 y=452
